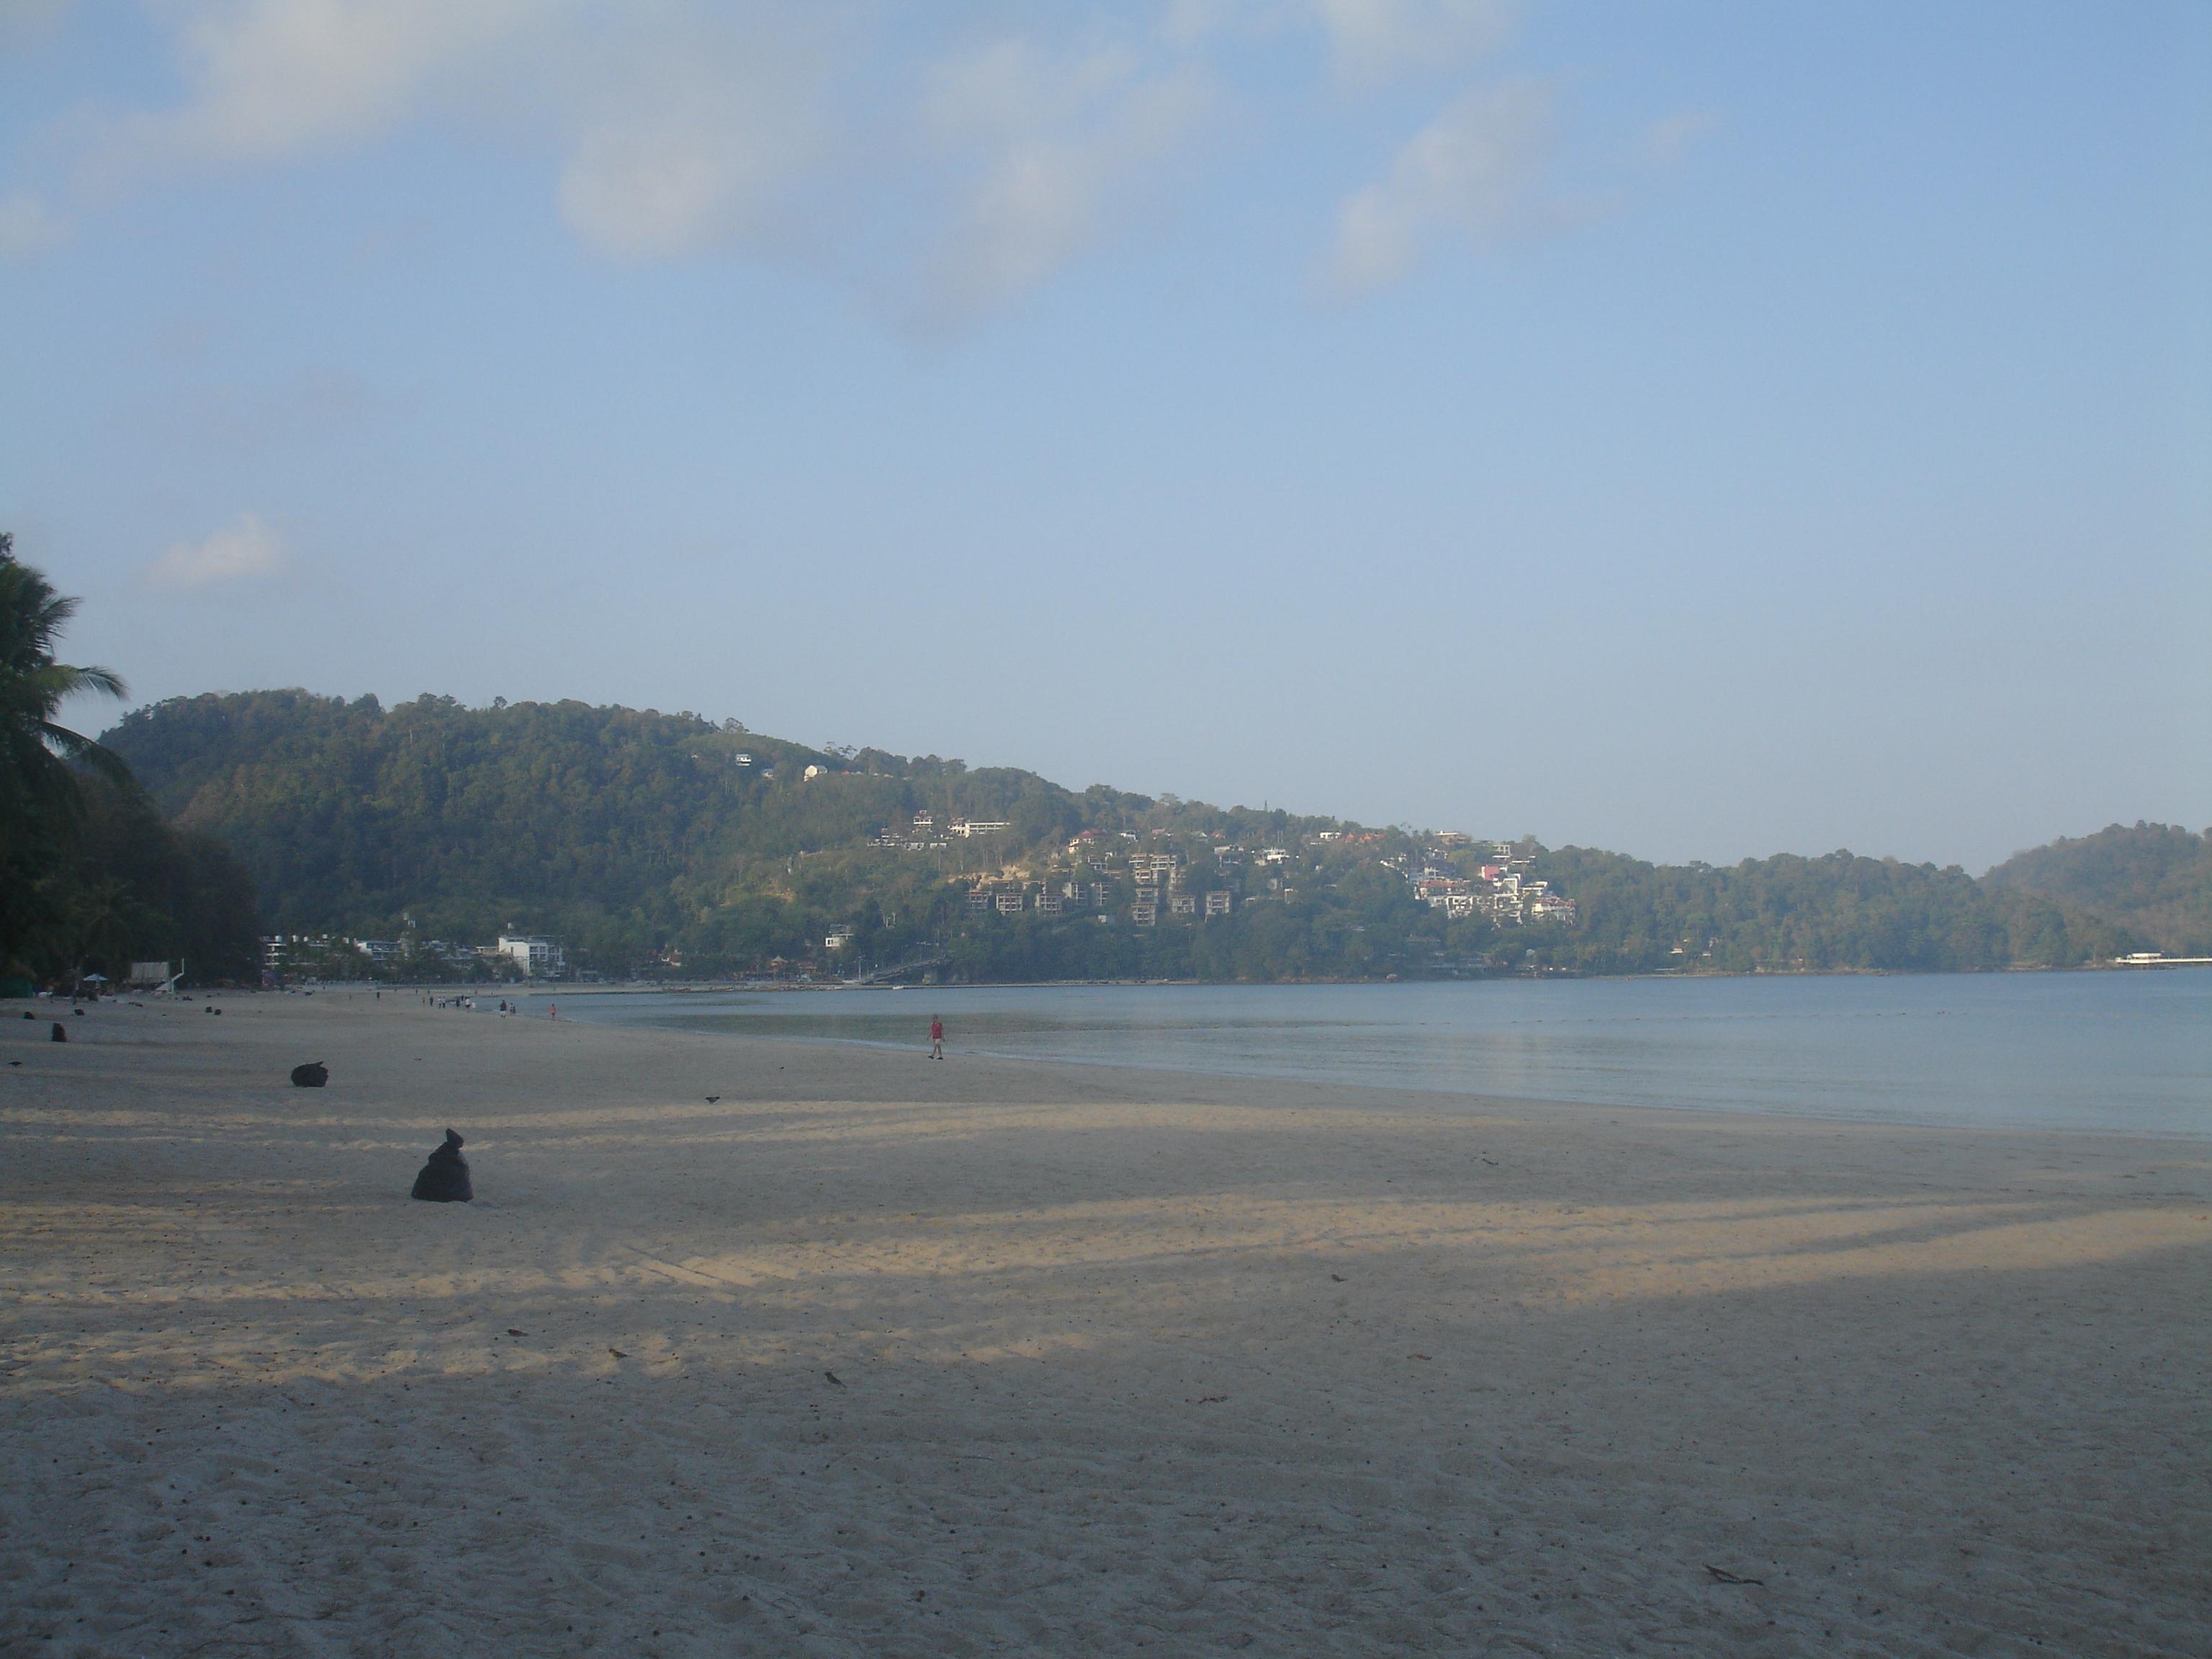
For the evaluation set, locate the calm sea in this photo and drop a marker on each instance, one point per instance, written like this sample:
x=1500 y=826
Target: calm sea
x=2129 y=1052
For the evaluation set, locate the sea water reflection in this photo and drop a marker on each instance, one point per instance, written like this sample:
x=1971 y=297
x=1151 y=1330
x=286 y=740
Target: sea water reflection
x=2121 y=1051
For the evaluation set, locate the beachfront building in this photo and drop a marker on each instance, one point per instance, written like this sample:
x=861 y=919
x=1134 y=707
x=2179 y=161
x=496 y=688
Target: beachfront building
x=1218 y=903
x=306 y=952
x=538 y=957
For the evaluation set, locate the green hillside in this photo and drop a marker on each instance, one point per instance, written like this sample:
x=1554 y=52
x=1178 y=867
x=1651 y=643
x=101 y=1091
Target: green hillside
x=2153 y=880
x=635 y=836
x=665 y=843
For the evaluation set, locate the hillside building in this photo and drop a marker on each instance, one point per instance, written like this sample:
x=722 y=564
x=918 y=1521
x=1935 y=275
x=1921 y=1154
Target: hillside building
x=538 y=957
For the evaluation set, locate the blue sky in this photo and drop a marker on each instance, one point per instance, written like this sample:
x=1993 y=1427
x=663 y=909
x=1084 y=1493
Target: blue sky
x=1700 y=430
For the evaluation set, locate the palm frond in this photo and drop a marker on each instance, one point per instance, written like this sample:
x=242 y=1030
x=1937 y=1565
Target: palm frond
x=81 y=750
x=102 y=681
x=37 y=693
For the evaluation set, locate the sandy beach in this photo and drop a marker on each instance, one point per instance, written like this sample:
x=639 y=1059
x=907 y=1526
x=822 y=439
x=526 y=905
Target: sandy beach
x=875 y=1356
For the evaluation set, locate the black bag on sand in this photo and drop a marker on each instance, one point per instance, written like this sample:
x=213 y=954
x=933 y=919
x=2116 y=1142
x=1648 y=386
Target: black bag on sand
x=312 y=1075
x=61 y=1032
x=445 y=1178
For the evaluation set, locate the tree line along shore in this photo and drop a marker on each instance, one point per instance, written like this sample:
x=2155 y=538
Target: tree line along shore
x=668 y=846
x=399 y=842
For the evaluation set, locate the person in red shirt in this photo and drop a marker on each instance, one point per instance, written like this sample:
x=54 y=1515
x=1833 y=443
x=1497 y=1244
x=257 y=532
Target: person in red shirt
x=936 y=1037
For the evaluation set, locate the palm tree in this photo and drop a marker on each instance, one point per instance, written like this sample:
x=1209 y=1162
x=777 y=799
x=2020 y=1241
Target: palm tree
x=99 y=924
x=41 y=801
x=37 y=753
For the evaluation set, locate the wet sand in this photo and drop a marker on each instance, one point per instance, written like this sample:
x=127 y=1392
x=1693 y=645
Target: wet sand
x=878 y=1356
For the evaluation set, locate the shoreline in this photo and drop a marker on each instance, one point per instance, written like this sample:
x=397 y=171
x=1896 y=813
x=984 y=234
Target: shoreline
x=1471 y=1099
x=1461 y=1046
x=642 y=986
x=637 y=987
x=870 y=1355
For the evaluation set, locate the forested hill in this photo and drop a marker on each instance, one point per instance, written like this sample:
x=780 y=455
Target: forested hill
x=2154 y=880
x=633 y=834
x=665 y=842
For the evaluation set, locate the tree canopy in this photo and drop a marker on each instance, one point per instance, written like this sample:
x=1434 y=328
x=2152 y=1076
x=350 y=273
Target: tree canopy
x=2151 y=880
x=660 y=843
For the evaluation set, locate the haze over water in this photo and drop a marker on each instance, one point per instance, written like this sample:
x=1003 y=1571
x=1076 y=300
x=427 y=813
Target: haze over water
x=2127 y=1053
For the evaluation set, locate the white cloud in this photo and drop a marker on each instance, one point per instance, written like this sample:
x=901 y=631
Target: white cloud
x=1066 y=147
x=29 y=228
x=695 y=131
x=841 y=135
x=1376 y=41
x=30 y=22
x=1664 y=141
x=1479 y=167
x=1368 y=41
x=245 y=549
x=1194 y=22
x=271 y=79
x=679 y=122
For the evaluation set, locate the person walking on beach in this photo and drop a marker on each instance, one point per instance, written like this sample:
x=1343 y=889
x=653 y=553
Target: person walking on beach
x=936 y=1037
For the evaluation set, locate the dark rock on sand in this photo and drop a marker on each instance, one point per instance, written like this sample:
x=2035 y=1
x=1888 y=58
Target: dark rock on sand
x=61 y=1032
x=445 y=1177
x=312 y=1075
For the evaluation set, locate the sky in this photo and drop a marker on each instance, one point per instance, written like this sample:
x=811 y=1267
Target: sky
x=1701 y=430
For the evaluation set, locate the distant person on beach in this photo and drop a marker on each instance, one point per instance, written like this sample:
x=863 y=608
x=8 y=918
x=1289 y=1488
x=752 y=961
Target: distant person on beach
x=552 y=1010
x=936 y=1037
